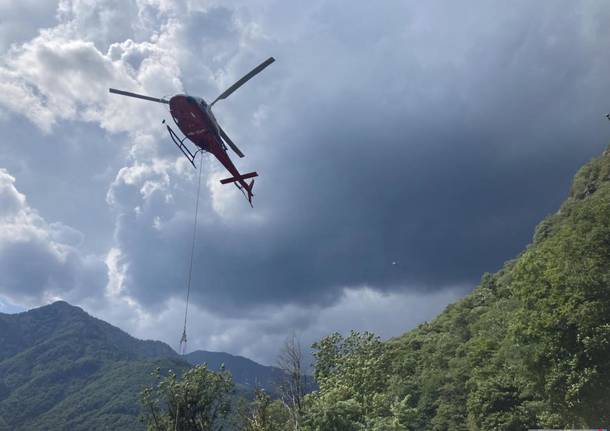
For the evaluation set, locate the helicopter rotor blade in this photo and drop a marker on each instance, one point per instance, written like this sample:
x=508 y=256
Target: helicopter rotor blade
x=243 y=80
x=230 y=142
x=139 y=96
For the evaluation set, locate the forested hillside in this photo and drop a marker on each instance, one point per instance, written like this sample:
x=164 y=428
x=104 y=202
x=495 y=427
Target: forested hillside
x=528 y=348
x=61 y=368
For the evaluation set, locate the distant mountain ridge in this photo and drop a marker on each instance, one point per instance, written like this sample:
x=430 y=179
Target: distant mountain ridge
x=61 y=368
x=22 y=331
x=245 y=371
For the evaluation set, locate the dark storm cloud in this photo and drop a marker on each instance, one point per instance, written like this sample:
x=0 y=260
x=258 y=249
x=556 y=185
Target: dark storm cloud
x=441 y=156
x=430 y=136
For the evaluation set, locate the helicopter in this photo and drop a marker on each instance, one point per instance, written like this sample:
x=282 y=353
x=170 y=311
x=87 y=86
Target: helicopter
x=195 y=119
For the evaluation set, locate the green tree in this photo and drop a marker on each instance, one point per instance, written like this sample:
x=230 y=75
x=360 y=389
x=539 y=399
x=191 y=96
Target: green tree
x=266 y=414
x=566 y=279
x=200 y=401
x=354 y=378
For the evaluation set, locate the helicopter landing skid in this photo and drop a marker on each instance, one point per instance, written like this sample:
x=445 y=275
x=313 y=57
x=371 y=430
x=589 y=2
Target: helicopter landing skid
x=180 y=144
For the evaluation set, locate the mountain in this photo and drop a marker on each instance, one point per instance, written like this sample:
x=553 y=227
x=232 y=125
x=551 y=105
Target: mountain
x=528 y=348
x=61 y=368
x=35 y=328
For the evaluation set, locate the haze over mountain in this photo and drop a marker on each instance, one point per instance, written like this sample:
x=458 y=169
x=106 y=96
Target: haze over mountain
x=244 y=370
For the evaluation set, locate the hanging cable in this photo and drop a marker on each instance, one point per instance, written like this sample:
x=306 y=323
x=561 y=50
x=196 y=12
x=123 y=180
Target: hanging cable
x=190 y=276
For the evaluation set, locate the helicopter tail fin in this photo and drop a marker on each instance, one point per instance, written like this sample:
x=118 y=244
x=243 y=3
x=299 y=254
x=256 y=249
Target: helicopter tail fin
x=250 y=194
x=241 y=184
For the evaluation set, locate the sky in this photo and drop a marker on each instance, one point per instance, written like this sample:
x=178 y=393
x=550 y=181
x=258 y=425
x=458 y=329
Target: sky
x=403 y=148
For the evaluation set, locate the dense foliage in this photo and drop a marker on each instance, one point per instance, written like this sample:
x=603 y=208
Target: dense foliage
x=63 y=369
x=355 y=387
x=200 y=401
x=265 y=414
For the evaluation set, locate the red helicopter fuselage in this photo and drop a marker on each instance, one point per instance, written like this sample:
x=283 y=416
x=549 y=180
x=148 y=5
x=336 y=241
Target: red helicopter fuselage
x=194 y=118
x=197 y=122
